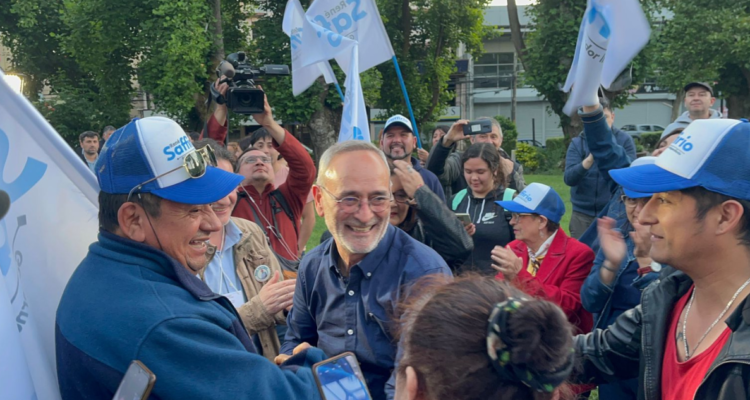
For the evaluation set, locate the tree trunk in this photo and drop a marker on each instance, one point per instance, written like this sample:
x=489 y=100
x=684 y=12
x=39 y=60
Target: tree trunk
x=323 y=127
x=679 y=99
x=218 y=34
x=515 y=31
x=738 y=106
x=406 y=28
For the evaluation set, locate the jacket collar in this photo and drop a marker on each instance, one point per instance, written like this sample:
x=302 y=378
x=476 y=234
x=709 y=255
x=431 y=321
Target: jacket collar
x=551 y=261
x=160 y=262
x=372 y=260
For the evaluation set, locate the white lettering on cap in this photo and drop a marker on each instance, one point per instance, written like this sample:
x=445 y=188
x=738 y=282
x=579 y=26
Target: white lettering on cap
x=532 y=195
x=687 y=154
x=165 y=144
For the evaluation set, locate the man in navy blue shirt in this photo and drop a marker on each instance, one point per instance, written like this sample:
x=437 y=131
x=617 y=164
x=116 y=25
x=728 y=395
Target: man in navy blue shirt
x=349 y=286
x=398 y=143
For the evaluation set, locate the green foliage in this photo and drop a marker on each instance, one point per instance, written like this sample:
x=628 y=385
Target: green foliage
x=554 y=153
x=649 y=140
x=426 y=36
x=529 y=156
x=510 y=133
x=720 y=54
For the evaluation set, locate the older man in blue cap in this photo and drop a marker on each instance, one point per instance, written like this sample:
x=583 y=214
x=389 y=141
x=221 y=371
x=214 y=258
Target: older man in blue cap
x=136 y=295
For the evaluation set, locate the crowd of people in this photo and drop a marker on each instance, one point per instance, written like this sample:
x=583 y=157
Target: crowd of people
x=443 y=271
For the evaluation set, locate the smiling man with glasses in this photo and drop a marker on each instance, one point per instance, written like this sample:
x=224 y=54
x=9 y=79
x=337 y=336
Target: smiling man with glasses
x=136 y=294
x=349 y=286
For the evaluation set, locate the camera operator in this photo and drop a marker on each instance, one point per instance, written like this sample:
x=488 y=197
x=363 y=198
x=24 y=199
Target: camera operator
x=277 y=210
x=217 y=125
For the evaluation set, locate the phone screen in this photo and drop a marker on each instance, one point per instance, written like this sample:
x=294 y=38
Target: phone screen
x=341 y=379
x=136 y=384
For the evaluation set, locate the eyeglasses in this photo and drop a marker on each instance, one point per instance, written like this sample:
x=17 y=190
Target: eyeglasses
x=352 y=204
x=632 y=203
x=254 y=159
x=195 y=163
x=518 y=216
x=400 y=197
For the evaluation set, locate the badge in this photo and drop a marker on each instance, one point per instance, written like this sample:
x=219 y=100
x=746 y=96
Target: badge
x=262 y=273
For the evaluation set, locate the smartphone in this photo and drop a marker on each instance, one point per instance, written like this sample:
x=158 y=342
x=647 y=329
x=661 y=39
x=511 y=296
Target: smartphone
x=341 y=378
x=478 y=127
x=463 y=217
x=136 y=384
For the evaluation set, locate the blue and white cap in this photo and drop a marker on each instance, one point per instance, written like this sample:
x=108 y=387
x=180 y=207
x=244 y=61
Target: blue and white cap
x=539 y=199
x=710 y=153
x=146 y=148
x=398 y=119
x=639 y=161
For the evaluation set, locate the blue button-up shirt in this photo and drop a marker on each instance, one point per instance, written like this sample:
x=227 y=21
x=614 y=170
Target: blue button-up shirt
x=354 y=314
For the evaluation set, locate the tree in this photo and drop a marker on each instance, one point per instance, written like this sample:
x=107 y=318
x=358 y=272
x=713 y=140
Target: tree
x=426 y=36
x=710 y=42
x=547 y=52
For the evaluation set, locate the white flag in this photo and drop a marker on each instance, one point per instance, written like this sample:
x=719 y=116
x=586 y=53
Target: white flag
x=358 y=20
x=612 y=33
x=46 y=233
x=302 y=76
x=323 y=45
x=354 y=124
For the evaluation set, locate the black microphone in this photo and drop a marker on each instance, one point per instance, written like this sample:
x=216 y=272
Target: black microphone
x=4 y=203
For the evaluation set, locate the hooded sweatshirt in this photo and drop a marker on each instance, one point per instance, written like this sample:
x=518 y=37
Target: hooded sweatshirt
x=684 y=120
x=492 y=229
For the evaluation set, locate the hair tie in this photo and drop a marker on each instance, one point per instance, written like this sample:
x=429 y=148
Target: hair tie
x=499 y=352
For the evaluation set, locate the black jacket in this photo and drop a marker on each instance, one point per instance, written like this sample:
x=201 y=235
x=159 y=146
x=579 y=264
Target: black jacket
x=634 y=347
x=438 y=227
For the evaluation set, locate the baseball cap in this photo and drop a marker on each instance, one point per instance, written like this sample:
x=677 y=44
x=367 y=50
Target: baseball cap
x=710 y=153
x=537 y=198
x=704 y=85
x=156 y=149
x=398 y=119
x=639 y=161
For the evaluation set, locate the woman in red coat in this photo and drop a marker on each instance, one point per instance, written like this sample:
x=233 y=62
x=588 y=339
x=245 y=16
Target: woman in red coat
x=543 y=261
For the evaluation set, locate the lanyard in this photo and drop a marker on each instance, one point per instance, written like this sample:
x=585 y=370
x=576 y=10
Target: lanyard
x=223 y=276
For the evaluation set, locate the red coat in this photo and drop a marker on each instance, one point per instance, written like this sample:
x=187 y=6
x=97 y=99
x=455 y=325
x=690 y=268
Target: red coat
x=560 y=276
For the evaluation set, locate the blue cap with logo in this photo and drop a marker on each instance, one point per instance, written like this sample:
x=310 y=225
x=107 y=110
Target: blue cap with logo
x=153 y=155
x=710 y=153
x=539 y=199
x=639 y=161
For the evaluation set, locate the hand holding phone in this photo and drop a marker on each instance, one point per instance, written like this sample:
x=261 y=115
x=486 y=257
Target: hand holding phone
x=341 y=378
x=464 y=218
x=478 y=127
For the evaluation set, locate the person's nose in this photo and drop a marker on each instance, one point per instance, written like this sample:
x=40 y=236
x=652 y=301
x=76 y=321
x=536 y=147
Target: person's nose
x=646 y=214
x=210 y=222
x=365 y=213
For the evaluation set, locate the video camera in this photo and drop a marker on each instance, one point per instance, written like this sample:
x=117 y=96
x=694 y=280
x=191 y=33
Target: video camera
x=243 y=97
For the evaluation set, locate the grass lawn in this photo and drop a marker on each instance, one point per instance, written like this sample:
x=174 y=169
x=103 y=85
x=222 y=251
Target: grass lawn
x=555 y=181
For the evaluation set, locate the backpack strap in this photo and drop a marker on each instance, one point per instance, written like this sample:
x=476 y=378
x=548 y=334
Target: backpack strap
x=508 y=194
x=281 y=202
x=458 y=198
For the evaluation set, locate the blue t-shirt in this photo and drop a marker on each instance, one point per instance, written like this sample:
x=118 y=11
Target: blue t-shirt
x=220 y=274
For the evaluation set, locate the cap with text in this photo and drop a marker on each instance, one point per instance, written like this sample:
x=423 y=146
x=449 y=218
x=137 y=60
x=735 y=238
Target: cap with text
x=398 y=120
x=149 y=147
x=710 y=153
x=539 y=199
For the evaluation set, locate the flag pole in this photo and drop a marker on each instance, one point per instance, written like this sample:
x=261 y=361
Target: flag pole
x=408 y=103
x=341 y=94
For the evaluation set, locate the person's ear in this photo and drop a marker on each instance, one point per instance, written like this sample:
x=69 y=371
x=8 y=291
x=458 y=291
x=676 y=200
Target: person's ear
x=543 y=222
x=729 y=217
x=412 y=384
x=132 y=221
x=318 y=197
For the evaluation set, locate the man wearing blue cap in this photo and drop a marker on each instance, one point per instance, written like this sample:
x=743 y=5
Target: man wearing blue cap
x=690 y=337
x=398 y=143
x=136 y=294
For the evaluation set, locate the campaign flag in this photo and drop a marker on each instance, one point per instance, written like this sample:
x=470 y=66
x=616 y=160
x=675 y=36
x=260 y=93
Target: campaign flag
x=358 y=20
x=302 y=76
x=323 y=45
x=611 y=35
x=46 y=233
x=354 y=124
